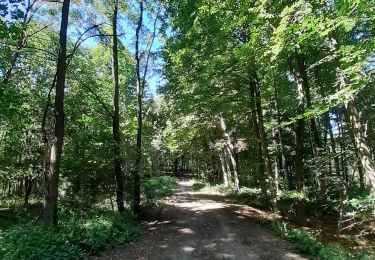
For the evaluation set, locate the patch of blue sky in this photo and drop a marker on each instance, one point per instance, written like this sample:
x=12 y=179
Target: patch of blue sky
x=127 y=38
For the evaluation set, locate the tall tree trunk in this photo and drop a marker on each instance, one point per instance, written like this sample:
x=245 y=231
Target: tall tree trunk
x=51 y=185
x=300 y=76
x=313 y=128
x=175 y=166
x=263 y=141
x=260 y=171
x=28 y=186
x=279 y=133
x=316 y=142
x=333 y=145
x=136 y=176
x=116 y=116
x=230 y=151
x=363 y=149
x=228 y=166
x=224 y=169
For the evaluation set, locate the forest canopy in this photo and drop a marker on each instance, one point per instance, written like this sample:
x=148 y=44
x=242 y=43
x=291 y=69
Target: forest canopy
x=101 y=102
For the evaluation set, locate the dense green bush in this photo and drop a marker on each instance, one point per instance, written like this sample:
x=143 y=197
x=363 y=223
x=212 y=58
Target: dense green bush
x=158 y=187
x=73 y=239
x=34 y=242
x=101 y=232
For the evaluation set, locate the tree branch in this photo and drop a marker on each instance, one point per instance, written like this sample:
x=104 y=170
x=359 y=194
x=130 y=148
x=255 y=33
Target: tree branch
x=93 y=93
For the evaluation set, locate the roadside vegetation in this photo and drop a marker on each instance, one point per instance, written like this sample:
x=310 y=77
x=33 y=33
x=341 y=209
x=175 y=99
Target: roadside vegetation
x=102 y=101
x=318 y=239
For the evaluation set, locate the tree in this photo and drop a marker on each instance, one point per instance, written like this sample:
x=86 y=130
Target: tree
x=52 y=178
x=116 y=115
x=141 y=74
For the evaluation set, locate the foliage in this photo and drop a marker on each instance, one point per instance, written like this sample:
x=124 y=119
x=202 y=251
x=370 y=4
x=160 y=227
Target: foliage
x=74 y=239
x=34 y=242
x=311 y=246
x=198 y=185
x=157 y=187
x=242 y=82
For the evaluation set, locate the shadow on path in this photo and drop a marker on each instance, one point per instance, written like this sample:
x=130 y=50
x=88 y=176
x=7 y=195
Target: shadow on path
x=194 y=225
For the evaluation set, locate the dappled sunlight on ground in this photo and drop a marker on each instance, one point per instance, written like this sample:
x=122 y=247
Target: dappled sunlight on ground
x=196 y=225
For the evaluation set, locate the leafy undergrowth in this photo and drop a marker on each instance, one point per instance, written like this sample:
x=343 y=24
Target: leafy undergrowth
x=157 y=188
x=212 y=188
x=16 y=214
x=81 y=232
x=74 y=239
x=309 y=243
x=306 y=244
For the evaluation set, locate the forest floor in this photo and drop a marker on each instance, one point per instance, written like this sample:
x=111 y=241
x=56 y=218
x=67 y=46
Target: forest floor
x=197 y=225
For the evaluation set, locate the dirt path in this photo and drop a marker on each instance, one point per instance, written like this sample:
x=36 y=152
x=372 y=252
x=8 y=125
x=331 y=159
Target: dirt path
x=194 y=225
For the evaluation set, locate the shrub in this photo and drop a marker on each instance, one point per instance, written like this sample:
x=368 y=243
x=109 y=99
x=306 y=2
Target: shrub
x=310 y=246
x=34 y=242
x=198 y=185
x=101 y=232
x=74 y=239
x=156 y=188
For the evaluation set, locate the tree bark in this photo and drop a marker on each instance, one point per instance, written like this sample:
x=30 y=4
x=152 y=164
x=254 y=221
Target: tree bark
x=333 y=146
x=260 y=171
x=279 y=133
x=51 y=185
x=268 y=173
x=223 y=169
x=300 y=76
x=139 y=85
x=116 y=116
x=28 y=187
x=363 y=149
x=230 y=151
x=175 y=166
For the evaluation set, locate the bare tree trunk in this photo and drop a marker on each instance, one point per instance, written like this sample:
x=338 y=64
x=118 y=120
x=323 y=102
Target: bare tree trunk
x=270 y=178
x=136 y=177
x=228 y=166
x=224 y=169
x=50 y=202
x=333 y=146
x=363 y=149
x=116 y=116
x=301 y=79
x=260 y=171
x=140 y=84
x=279 y=133
x=316 y=142
x=175 y=166
x=230 y=151
x=28 y=186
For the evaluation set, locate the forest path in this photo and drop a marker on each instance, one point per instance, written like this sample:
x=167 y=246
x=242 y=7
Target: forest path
x=195 y=225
